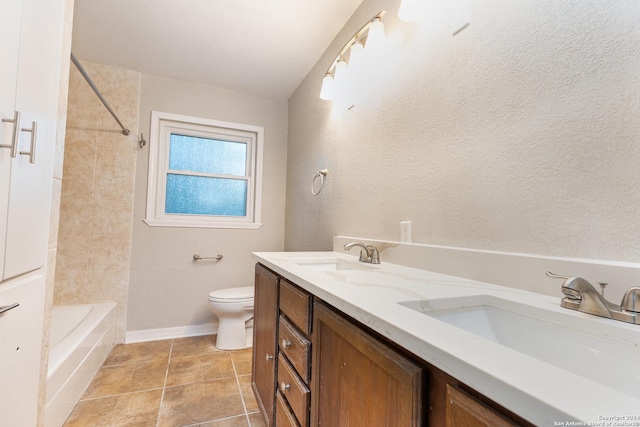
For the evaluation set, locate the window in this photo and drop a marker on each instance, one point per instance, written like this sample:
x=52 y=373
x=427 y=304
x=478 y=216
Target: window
x=203 y=173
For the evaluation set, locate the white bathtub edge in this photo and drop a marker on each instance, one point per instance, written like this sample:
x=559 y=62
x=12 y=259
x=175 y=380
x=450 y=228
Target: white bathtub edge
x=60 y=402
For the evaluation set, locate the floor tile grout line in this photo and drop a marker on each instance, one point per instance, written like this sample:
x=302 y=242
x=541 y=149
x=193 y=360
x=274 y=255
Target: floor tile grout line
x=212 y=421
x=244 y=405
x=119 y=394
x=164 y=385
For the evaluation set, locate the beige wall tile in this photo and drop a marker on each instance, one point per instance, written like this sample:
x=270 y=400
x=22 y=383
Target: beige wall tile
x=75 y=216
x=84 y=107
x=121 y=322
x=122 y=88
x=112 y=217
x=114 y=183
x=96 y=203
x=70 y=287
x=44 y=365
x=54 y=221
x=108 y=286
x=116 y=150
x=73 y=252
x=49 y=284
x=110 y=252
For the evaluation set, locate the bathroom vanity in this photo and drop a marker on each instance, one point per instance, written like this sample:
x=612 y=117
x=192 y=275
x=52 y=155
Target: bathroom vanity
x=339 y=342
x=314 y=365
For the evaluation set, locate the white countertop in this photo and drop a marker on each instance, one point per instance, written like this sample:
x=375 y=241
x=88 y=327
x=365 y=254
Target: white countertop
x=537 y=391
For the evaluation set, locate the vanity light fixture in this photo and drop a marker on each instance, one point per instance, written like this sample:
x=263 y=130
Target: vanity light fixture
x=372 y=34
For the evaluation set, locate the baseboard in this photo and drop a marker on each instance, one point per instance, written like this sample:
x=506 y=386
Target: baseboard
x=179 y=332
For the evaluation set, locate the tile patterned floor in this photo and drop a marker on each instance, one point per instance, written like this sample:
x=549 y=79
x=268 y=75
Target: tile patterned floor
x=171 y=383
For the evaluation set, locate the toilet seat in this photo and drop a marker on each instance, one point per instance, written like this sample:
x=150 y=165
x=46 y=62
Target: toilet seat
x=229 y=295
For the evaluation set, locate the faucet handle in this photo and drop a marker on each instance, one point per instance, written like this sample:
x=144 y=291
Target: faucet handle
x=631 y=300
x=568 y=291
x=557 y=276
x=375 y=255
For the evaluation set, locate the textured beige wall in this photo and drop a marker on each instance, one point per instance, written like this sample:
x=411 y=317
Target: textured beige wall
x=520 y=134
x=168 y=289
x=96 y=207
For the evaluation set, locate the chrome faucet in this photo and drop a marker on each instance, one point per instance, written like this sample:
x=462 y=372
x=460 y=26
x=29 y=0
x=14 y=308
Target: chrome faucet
x=580 y=295
x=372 y=255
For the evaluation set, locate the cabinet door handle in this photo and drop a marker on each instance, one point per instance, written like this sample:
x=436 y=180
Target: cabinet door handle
x=284 y=387
x=5 y=308
x=286 y=343
x=14 y=135
x=269 y=357
x=32 y=147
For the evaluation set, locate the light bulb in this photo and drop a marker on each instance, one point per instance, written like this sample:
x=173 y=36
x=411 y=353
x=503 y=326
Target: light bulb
x=328 y=91
x=375 y=36
x=411 y=10
x=356 y=57
x=340 y=76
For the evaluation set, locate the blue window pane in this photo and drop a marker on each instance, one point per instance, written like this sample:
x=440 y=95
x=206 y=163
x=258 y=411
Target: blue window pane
x=198 y=195
x=189 y=153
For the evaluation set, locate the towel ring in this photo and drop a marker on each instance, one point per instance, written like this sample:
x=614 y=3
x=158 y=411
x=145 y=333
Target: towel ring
x=320 y=174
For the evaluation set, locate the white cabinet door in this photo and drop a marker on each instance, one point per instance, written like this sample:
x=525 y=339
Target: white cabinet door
x=37 y=91
x=9 y=41
x=20 y=342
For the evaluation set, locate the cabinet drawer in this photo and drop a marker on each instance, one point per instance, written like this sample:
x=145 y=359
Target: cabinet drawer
x=294 y=390
x=296 y=347
x=284 y=416
x=296 y=305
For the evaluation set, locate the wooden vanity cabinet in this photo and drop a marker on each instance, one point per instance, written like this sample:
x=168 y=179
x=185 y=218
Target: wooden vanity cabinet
x=315 y=366
x=265 y=338
x=452 y=403
x=358 y=380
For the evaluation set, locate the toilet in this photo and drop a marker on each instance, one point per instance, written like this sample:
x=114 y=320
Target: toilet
x=234 y=307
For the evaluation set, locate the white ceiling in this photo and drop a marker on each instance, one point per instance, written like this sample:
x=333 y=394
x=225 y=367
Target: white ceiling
x=257 y=46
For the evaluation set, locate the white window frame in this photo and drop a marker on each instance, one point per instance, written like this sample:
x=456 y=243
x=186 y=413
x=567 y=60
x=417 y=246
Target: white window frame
x=162 y=125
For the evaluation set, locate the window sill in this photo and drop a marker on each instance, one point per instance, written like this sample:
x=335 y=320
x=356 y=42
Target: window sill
x=201 y=224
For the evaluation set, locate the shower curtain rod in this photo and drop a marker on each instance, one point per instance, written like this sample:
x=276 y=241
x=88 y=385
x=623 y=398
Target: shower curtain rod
x=125 y=131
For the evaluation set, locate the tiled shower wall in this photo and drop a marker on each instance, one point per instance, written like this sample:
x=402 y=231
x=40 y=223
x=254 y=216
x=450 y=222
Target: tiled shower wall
x=96 y=207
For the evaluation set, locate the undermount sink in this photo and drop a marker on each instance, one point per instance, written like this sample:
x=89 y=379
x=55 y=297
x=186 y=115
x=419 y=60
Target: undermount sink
x=555 y=338
x=330 y=264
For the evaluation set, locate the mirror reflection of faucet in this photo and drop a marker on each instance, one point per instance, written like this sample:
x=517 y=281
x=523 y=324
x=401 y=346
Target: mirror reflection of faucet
x=372 y=256
x=582 y=296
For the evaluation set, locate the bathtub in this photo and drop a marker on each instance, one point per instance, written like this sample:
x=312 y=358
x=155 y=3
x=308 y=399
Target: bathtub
x=81 y=338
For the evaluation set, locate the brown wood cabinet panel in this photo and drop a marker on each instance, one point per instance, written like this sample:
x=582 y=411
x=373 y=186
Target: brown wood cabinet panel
x=357 y=380
x=440 y=407
x=463 y=410
x=296 y=347
x=294 y=390
x=284 y=416
x=265 y=322
x=296 y=305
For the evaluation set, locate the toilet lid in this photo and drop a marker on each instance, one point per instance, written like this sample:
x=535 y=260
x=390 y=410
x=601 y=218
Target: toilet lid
x=232 y=294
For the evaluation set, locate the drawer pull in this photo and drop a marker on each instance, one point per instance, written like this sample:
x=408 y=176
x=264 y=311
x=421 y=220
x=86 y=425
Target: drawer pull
x=284 y=387
x=14 y=135
x=286 y=343
x=269 y=357
x=6 y=308
x=32 y=147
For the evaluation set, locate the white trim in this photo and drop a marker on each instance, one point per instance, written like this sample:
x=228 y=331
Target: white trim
x=179 y=332
x=154 y=214
x=200 y=224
